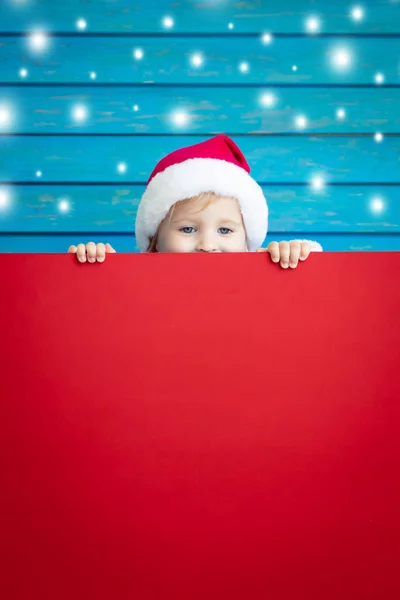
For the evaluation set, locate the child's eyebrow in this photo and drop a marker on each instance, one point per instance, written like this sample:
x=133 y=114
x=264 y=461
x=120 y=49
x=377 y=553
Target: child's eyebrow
x=231 y=222
x=183 y=220
x=226 y=221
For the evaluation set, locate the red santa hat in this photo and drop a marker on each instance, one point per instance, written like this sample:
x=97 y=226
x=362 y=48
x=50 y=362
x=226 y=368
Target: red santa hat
x=216 y=165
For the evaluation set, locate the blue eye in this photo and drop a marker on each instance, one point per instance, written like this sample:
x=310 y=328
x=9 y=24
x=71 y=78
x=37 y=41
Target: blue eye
x=227 y=230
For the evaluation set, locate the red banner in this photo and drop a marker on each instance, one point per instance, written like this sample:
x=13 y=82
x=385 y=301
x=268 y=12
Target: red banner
x=179 y=426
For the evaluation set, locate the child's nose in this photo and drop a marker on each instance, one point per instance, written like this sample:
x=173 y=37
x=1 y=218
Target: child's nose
x=206 y=243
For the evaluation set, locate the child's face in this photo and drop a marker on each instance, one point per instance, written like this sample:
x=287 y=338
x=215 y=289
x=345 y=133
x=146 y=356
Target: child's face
x=195 y=227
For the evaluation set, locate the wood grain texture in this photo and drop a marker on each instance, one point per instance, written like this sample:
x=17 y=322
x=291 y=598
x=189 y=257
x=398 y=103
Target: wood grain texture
x=60 y=242
x=209 y=110
x=70 y=60
x=131 y=108
x=282 y=160
x=381 y=16
x=113 y=208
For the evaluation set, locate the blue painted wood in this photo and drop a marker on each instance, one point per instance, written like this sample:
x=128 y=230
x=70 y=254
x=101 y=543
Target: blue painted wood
x=357 y=211
x=209 y=110
x=56 y=209
x=381 y=16
x=342 y=242
x=60 y=242
x=168 y=60
x=273 y=159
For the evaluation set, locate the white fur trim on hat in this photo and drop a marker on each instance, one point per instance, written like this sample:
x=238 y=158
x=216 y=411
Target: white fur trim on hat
x=192 y=177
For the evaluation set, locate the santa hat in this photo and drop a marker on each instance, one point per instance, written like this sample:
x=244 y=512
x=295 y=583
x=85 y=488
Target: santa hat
x=216 y=165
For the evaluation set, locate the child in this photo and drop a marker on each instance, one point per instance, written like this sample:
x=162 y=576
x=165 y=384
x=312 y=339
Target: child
x=201 y=198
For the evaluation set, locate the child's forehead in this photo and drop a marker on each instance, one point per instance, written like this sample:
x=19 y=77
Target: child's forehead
x=218 y=207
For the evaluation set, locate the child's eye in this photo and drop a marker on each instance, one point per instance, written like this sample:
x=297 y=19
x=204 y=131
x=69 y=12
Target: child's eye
x=225 y=232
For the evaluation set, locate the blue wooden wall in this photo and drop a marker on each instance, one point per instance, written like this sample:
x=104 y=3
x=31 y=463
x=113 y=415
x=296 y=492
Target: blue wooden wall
x=94 y=93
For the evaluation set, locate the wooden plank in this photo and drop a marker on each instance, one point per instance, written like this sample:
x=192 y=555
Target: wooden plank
x=147 y=110
x=78 y=209
x=71 y=60
x=381 y=16
x=60 y=242
x=277 y=159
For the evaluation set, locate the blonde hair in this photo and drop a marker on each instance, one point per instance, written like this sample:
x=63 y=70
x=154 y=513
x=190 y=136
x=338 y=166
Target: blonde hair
x=208 y=196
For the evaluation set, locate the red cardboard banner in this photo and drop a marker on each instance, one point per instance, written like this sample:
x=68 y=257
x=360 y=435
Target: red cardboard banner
x=179 y=426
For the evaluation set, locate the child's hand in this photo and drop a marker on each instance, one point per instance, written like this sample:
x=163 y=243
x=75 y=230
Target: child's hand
x=289 y=253
x=94 y=252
